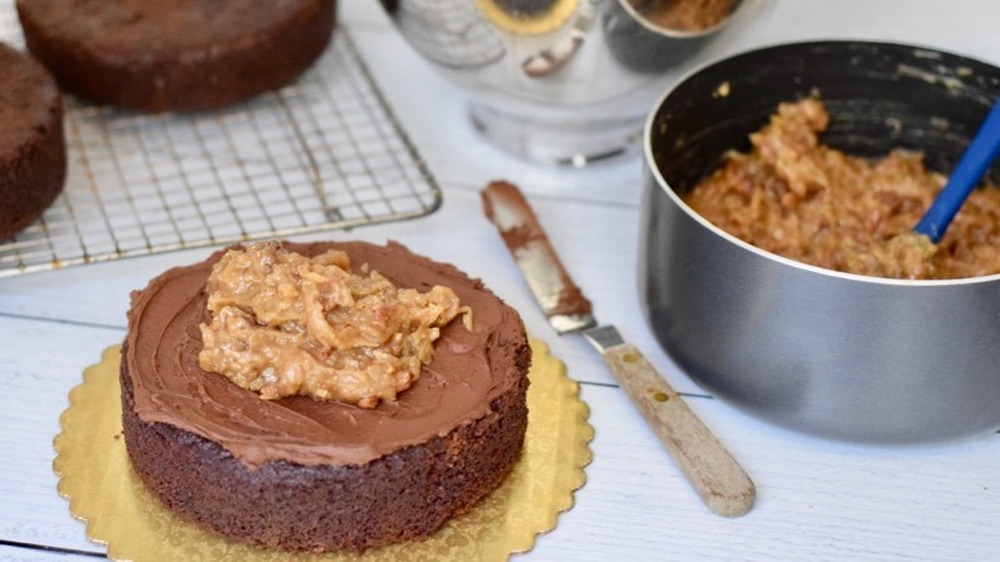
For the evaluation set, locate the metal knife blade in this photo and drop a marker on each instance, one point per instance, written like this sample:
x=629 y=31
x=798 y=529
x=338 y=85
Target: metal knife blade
x=709 y=467
x=561 y=299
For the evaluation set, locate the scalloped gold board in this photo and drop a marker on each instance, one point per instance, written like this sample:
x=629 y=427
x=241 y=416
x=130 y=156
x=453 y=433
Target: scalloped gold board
x=97 y=478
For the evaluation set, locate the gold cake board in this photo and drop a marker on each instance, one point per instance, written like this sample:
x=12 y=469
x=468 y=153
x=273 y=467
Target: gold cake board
x=97 y=478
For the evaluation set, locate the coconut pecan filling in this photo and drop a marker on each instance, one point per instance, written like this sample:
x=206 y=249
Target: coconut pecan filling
x=284 y=325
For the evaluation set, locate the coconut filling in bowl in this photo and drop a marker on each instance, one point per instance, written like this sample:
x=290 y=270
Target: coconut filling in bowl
x=781 y=186
x=795 y=197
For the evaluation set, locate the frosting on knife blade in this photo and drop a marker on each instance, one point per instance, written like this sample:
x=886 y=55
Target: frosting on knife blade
x=558 y=295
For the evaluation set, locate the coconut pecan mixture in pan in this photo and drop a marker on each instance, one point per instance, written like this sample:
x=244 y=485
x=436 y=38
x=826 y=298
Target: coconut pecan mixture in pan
x=684 y=15
x=284 y=324
x=800 y=199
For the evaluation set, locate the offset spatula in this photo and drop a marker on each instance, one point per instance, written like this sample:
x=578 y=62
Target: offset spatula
x=718 y=478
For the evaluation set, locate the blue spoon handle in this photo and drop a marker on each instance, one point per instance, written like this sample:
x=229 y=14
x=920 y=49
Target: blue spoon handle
x=982 y=151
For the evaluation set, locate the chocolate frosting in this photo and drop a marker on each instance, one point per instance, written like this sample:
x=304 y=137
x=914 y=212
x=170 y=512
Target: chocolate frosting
x=469 y=370
x=528 y=232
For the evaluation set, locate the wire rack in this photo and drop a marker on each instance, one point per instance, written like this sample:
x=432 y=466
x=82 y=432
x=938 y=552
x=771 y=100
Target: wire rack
x=322 y=154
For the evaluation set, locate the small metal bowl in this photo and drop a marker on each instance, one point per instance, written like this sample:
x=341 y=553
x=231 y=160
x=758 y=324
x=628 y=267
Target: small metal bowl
x=845 y=356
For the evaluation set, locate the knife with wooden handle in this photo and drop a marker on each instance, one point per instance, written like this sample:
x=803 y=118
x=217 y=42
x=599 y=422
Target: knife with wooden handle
x=720 y=481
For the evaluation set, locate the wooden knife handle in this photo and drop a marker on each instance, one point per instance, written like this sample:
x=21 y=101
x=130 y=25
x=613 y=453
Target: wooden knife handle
x=722 y=483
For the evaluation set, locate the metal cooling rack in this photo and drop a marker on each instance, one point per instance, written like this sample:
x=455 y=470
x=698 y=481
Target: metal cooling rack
x=322 y=154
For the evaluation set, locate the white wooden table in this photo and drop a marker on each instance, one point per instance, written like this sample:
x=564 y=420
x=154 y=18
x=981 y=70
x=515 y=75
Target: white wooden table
x=818 y=499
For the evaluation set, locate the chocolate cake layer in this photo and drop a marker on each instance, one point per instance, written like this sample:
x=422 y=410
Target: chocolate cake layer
x=181 y=55
x=305 y=475
x=32 y=146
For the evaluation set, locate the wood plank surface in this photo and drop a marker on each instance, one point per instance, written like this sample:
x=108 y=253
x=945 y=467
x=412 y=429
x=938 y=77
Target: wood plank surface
x=818 y=500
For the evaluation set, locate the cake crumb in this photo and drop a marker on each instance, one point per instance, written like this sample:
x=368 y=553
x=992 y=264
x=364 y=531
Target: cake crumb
x=284 y=324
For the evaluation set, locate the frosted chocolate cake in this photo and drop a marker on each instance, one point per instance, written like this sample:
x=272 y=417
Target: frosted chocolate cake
x=264 y=450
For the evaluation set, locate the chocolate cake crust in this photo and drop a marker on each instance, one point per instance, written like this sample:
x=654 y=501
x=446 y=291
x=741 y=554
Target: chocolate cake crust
x=32 y=145
x=182 y=55
x=301 y=498
x=403 y=496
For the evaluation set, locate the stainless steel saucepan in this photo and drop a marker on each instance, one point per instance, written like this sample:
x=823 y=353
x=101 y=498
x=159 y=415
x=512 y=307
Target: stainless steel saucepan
x=844 y=356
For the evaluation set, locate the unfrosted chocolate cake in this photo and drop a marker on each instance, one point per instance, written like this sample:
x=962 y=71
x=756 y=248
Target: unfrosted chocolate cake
x=305 y=475
x=177 y=55
x=32 y=146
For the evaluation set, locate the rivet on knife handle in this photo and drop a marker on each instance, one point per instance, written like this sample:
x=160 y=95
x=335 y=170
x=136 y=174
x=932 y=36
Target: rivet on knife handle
x=713 y=472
